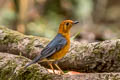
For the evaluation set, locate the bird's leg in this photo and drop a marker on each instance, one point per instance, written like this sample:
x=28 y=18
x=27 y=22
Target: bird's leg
x=46 y=60
x=50 y=64
x=59 y=68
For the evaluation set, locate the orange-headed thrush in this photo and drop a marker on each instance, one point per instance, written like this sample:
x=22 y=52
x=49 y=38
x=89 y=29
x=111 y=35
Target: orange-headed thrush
x=58 y=47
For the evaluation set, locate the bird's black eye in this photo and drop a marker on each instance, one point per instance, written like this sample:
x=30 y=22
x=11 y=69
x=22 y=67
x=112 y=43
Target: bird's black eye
x=67 y=24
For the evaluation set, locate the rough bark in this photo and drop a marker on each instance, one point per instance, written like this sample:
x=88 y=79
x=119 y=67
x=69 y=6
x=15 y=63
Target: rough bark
x=93 y=57
x=11 y=68
x=84 y=57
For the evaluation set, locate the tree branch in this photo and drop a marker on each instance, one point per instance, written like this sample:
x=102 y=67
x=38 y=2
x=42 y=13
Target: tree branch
x=84 y=57
x=93 y=57
x=11 y=68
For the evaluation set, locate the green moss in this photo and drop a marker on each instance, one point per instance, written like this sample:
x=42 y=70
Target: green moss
x=7 y=70
x=9 y=36
x=9 y=39
x=31 y=73
x=118 y=49
x=96 y=51
x=66 y=71
x=29 y=46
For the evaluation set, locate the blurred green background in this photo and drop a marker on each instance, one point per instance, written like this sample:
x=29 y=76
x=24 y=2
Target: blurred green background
x=99 y=19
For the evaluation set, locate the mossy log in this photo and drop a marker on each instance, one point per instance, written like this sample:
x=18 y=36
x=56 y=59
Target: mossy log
x=12 y=68
x=84 y=57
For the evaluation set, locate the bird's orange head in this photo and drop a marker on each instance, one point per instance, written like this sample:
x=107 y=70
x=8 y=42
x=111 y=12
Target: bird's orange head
x=65 y=26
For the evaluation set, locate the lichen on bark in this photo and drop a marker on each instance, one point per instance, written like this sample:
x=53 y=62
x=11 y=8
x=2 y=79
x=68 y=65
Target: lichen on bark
x=12 y=68
x=84 y=57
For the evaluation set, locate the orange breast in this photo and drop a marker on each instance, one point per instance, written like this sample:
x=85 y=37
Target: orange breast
x=58 y=55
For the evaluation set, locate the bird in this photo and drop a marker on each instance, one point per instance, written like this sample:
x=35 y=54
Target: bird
x=58 y=47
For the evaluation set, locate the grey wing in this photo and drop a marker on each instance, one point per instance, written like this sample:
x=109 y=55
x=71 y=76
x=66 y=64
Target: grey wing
x=55 y=45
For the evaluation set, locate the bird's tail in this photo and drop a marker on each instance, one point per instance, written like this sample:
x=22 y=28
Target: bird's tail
x=36 y=59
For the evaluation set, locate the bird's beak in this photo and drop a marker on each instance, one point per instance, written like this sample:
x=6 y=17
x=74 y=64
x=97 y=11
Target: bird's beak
x=75 y=22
